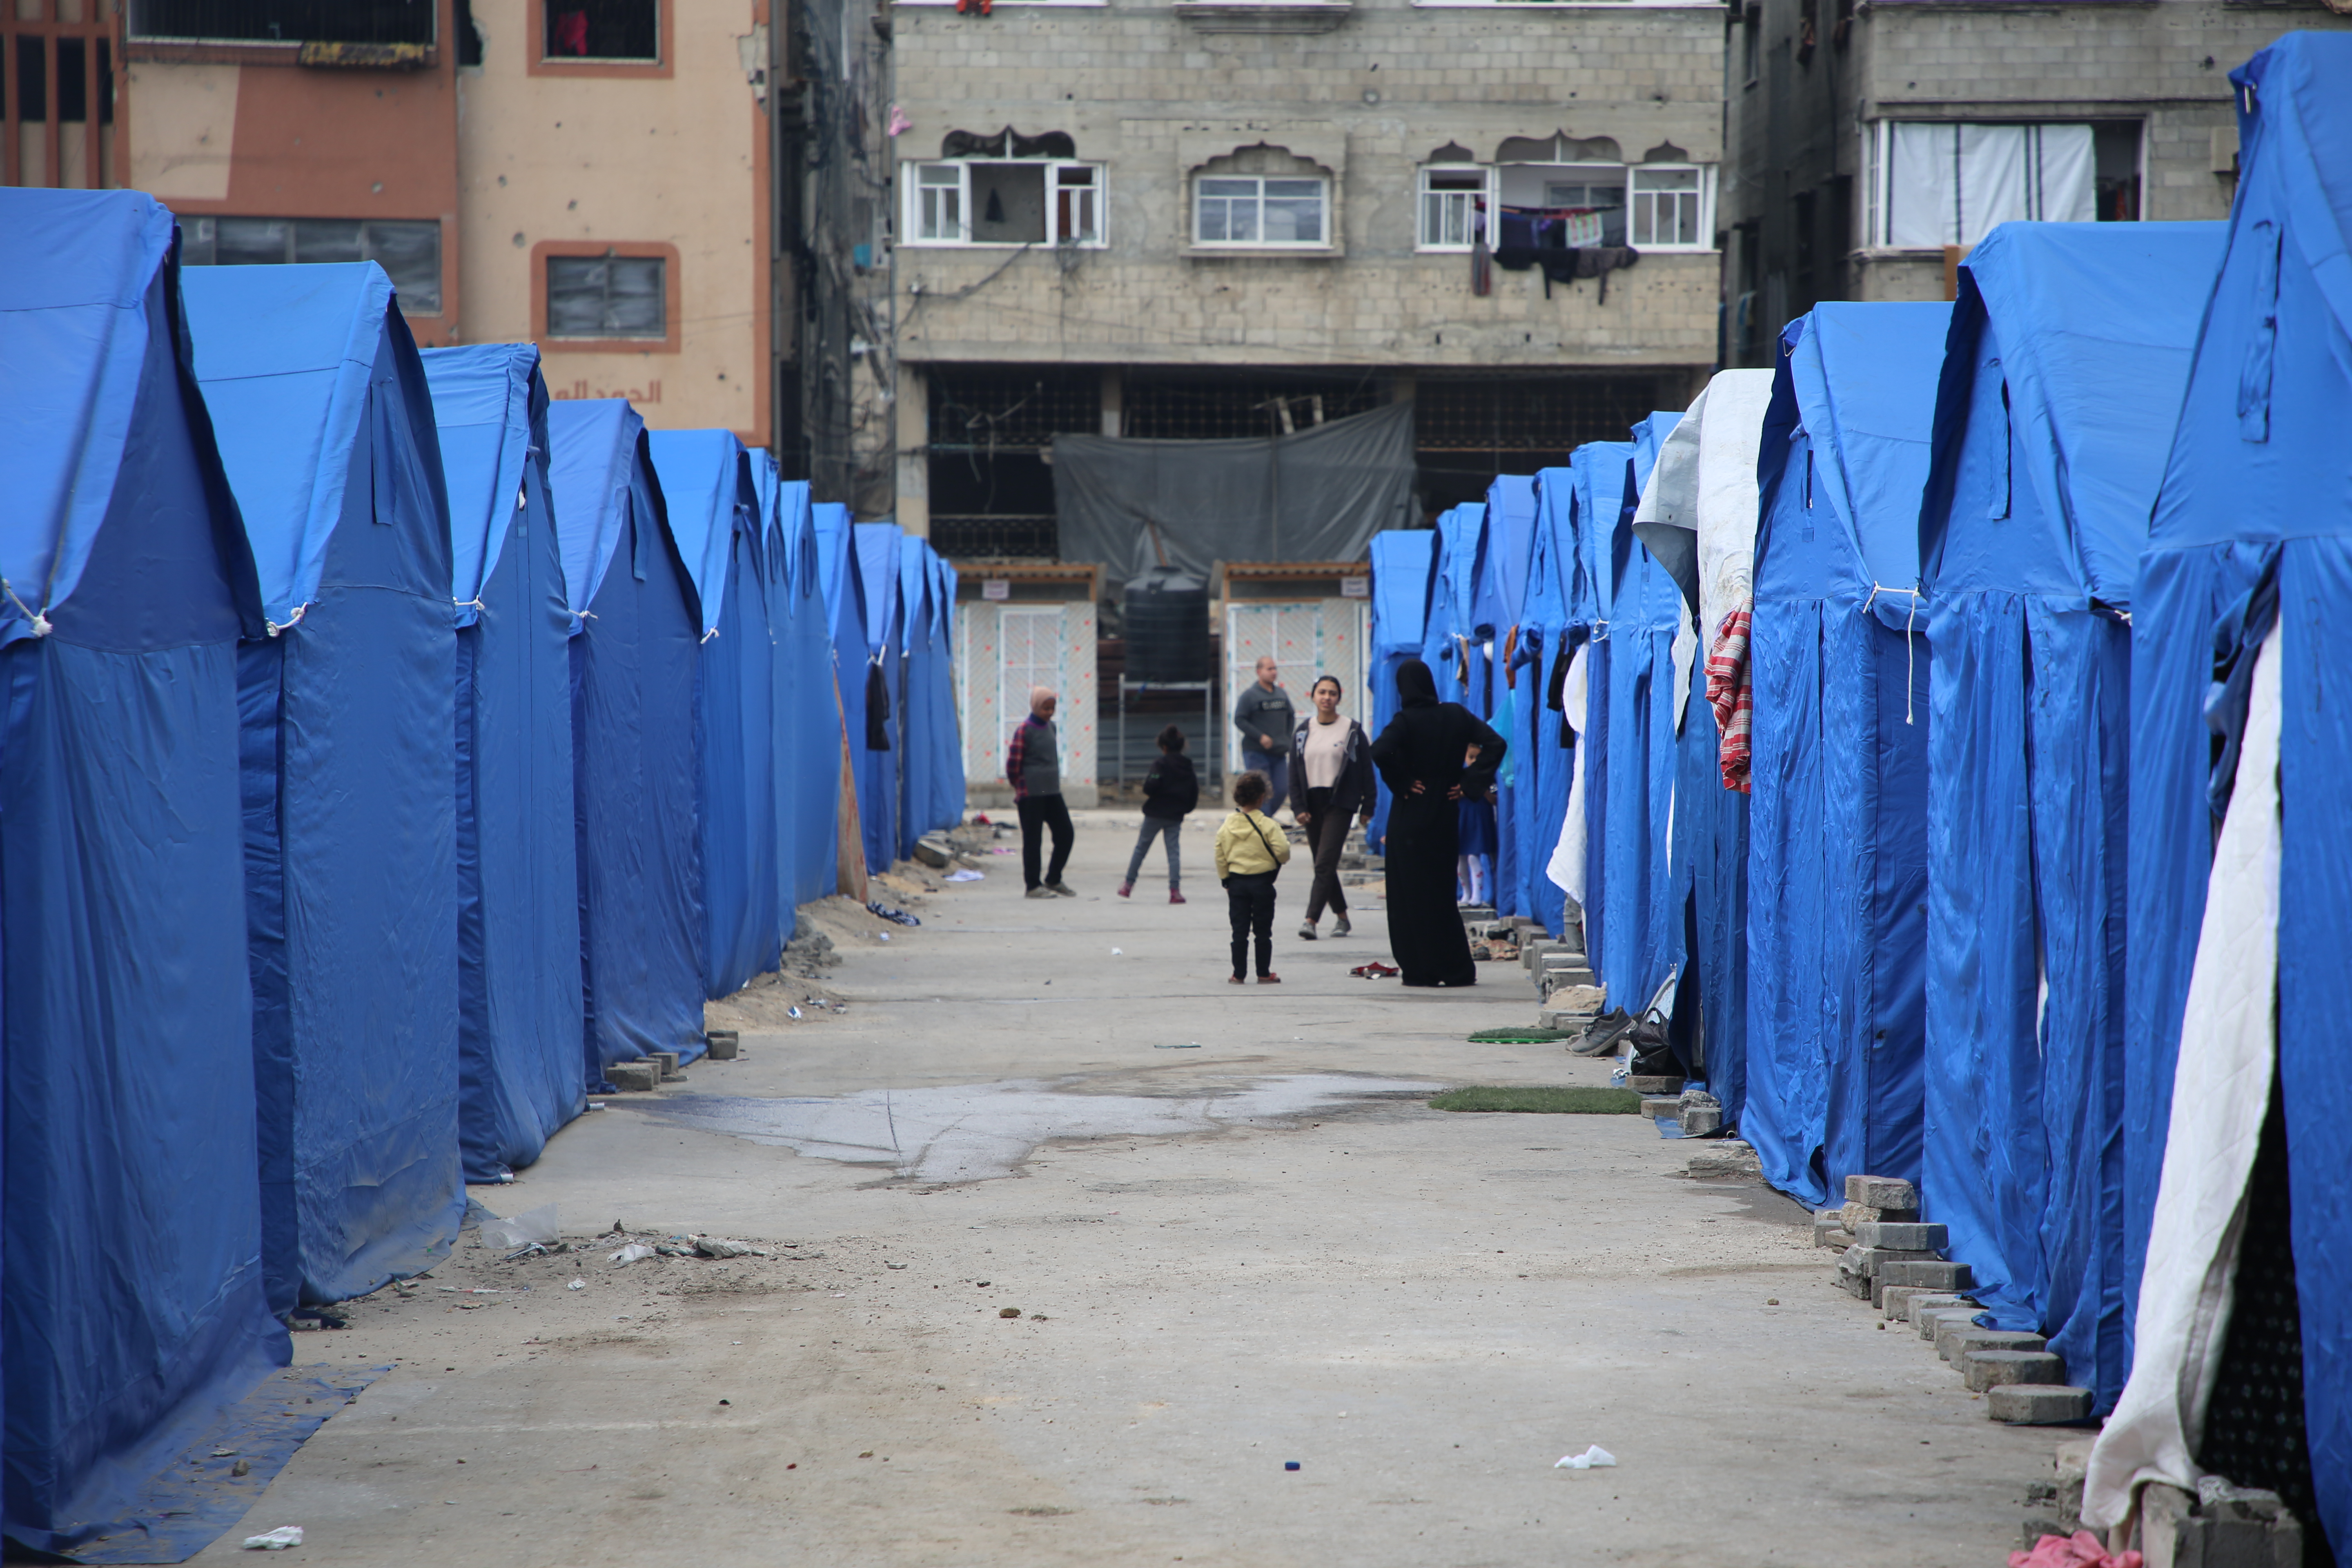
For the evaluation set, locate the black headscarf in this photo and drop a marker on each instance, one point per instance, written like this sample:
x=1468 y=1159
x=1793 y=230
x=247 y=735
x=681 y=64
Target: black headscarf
x=1416 y=687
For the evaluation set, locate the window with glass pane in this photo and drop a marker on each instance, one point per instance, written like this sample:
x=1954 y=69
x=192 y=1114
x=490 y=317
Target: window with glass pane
x=1665 y=206
x=939 y=202
x=409 y=252
x=604 y=30
x=607 y=297
x=1453 y=207
x=1233 y=210
x=1077 y=218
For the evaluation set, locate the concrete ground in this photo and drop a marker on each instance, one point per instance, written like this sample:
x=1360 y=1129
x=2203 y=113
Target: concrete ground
x=1262 y=1250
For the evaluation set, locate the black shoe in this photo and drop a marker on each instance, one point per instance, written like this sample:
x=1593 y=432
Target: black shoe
x=1601 y=1034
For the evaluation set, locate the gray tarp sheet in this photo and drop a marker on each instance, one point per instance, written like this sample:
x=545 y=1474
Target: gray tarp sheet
x=1319 y=495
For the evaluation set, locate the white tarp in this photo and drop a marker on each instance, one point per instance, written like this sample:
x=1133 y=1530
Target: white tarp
x=1567 y=866
x=2220 y=1093
x=1953 y=184
x=1698 y=514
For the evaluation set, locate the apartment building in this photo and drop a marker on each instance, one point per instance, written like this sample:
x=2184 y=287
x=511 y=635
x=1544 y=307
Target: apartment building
x=1239 y=217
x=590 y=174
x=1873 y=141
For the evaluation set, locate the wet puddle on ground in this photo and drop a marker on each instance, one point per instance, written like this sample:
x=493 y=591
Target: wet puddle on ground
x=971 y=1132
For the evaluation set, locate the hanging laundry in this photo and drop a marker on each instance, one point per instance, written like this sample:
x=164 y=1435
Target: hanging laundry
x=1731 y=692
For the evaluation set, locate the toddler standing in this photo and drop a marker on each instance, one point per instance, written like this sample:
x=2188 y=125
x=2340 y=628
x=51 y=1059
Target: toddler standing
x=1251 y=852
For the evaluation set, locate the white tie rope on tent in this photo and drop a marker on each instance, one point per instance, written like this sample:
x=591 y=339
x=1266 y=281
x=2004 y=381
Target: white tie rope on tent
x=39 y=619
x=1908 y=666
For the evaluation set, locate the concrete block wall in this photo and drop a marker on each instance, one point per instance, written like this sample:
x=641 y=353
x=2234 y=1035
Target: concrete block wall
x=1150 y=93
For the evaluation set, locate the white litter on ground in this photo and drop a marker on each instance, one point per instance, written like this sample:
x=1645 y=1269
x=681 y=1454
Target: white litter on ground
x=1591 y=1459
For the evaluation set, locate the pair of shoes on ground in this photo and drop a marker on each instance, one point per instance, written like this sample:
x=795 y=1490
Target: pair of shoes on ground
x=1054 y=891
x=1174 y=897
x=1306 y=932
x=1262 y=980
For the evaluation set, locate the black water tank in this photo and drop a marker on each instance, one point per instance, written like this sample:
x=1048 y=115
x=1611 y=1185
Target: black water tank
x=1167 y=628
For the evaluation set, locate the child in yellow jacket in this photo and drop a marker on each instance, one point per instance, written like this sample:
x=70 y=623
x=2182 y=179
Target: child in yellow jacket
x=1251 y=852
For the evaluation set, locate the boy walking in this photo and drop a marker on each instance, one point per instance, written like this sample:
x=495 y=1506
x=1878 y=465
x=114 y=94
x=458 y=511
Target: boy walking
x=1169 y=791
x=1251 y=853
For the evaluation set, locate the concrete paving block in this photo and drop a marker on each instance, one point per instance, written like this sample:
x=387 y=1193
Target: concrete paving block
x=1660 y=1086
x=1829 y=1230
x=1660 y=1106
x=1954 y=1276
x=1882 y=1193
x=1927 y=1322
x=640 y=1077
x=1982 y=1369
x=1956 y=1340
x=1875 y=1259
x=1532 y=955
x=1904 y=1238
x=668 y=1060
x=1700 y=1121
x=724 y=1044
x=1725 y=1157
x=2038 y=1405
x=1567 y=1020
x=1904 y=1301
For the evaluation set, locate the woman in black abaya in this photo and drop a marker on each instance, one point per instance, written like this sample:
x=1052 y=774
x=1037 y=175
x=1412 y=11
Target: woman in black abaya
x=1422 y=757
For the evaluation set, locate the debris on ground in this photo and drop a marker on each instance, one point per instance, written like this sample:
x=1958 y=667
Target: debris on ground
x=1591 y=1459
x=278 y=1540
x=535 y=1227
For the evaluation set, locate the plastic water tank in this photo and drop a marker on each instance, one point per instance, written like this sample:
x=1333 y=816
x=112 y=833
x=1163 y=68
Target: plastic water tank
x=1167 y=628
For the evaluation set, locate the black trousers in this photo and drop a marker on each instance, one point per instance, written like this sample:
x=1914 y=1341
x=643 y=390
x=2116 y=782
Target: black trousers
x=1038 y=813
x=1249 y=901
x=1327 y=836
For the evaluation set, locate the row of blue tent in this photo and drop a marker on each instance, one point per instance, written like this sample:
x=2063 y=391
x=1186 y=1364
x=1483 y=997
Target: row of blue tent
x=1978 y=923
x=388 y=751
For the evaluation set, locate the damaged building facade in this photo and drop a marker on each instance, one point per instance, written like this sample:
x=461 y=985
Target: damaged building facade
x=1873 y=141
x=592 y=175
x=1241 y=218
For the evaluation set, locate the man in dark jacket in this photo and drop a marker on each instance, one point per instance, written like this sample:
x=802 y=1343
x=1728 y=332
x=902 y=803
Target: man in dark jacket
x=1032 y=764
x=1331 y=772
x=1171 y=790
x=1263 y=715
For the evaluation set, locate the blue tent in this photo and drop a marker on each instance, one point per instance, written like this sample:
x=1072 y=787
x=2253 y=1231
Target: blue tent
x=1643 y=923
x=1613 y=784
x=842 y=583
x=2061 y=385
x=517 y=872
x=636 y=628
x=879 y=751
x=2253 y=513
x=714 y=514
x=1501 y=595
x=132 y=1298
x=1837 y=826
x=947 y=774
x=932 y=766
x=1402 y=560
x=1448 y=644
x=1560 y=608
x=350 y=706
x=808 y=760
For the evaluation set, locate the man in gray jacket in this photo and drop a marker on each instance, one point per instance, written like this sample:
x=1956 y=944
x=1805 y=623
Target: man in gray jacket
x=1264 y=717
x=1033 y=766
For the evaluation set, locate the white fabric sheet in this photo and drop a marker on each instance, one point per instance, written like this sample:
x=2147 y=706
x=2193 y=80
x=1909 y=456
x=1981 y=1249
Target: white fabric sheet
x=1727 y=494
x=1566 y=868
x=1953 y=184
x=2220 y=1092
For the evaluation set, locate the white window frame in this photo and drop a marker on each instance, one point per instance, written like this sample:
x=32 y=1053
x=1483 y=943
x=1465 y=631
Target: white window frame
x=917 y=187
x=1484 y=202
x=1703 y=198
x=1201 y=242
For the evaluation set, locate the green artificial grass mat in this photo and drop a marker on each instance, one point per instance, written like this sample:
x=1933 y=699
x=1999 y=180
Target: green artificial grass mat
x=1576 y=1099
x=1523 y=1037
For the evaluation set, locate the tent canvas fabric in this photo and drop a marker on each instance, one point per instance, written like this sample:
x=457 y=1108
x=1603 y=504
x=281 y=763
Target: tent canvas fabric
x=634 y=650
x=1564 y=599
x=132 y=1306
x=808 y=762
x=325 y=426
x=1540 y=776
x=520 y=1007
x=1599 y=468
x=1401 y=561
x=947 y=769
x=842 y=582
x=1648 y=647
x=1501 y=595
x=881 y=675
x=2062 y=383
x=1837 y=832
x=2253 y=489
x=932 y=769
x=713 y=508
